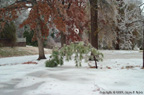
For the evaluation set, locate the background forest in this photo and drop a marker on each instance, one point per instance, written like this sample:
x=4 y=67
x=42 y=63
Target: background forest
x=120 y=25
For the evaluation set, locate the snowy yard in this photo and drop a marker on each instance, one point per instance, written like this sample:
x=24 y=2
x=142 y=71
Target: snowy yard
x=119 y=74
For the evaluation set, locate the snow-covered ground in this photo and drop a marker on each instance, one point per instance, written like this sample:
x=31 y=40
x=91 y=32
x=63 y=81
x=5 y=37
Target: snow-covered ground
x=119 y=74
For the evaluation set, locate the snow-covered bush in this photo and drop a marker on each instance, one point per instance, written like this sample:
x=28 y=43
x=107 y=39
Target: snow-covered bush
x=55 y=60
x=77 y=51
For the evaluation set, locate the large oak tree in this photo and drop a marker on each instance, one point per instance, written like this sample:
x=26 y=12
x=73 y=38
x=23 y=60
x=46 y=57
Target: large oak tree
x=44 y=14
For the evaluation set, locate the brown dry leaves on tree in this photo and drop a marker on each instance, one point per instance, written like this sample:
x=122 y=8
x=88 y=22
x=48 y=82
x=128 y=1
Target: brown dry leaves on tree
x=65 y=15
x=76 y=18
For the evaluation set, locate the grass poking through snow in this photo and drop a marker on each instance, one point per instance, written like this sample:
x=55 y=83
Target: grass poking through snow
x=8 y=52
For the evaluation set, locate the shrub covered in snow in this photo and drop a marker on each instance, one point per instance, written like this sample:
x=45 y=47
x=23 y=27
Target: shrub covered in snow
x=77 y=51
x=55 y=60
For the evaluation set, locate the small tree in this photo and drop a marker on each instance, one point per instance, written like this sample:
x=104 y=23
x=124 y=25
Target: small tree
x=78 y=51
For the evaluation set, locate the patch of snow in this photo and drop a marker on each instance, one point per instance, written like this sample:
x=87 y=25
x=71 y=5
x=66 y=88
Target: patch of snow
x=19 y=60
x=121 y=51
x=36 y=79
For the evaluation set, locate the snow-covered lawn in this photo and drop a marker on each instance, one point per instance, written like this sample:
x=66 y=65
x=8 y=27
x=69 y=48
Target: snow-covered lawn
x=120 y=72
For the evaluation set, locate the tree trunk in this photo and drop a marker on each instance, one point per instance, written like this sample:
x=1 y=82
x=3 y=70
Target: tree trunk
x=143 y=48
x=94 y=24
x=143 y=54
x=63 y=39
x=117 y=46
x=40 y=44
x=40 y=47
x=39 y=35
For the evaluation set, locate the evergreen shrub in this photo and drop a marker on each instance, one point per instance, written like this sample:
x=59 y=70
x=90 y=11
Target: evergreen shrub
x=9 y=33
x=28 y=34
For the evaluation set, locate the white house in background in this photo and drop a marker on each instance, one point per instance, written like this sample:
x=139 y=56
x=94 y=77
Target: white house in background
x=21 y=42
